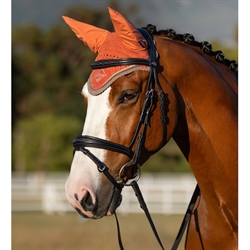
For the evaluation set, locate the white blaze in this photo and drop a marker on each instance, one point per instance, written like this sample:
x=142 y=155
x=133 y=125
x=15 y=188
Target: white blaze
x=97 y=113
x=84 y=173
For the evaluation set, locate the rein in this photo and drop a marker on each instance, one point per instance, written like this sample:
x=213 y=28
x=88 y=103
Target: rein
x=81 y=142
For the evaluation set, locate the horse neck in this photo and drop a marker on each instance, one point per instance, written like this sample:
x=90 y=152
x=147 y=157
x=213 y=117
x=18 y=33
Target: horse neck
x=206 y=131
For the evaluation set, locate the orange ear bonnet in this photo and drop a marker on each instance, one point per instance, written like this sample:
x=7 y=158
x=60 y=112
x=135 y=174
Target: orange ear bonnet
x=125 y=42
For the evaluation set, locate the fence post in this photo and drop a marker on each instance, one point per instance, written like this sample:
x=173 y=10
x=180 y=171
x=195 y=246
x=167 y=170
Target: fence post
x=49 y=198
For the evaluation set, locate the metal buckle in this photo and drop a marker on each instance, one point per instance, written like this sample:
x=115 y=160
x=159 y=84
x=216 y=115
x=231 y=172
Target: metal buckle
x=101 y=167
x=136 y=177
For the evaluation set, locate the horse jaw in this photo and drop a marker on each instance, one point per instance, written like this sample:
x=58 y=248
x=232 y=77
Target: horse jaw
x=84 y=177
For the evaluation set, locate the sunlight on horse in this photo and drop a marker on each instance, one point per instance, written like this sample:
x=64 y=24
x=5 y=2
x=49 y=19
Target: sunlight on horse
x=195 y=103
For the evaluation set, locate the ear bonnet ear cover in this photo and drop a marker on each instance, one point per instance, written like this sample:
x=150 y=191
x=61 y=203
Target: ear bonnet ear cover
x=125 y=42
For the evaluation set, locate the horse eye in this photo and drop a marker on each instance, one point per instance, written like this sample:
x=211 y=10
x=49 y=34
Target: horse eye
x=127 y=96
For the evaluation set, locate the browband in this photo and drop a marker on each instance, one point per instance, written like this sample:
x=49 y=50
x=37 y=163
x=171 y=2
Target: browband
x=118 y=62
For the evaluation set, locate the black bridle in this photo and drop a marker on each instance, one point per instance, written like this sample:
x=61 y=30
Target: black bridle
x=82 y=141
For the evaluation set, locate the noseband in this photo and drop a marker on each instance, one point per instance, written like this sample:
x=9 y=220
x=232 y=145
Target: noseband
x=81 y=142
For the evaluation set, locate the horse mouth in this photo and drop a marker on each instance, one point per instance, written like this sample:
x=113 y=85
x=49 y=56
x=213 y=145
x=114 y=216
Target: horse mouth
x=115 y=203
x=100 y=209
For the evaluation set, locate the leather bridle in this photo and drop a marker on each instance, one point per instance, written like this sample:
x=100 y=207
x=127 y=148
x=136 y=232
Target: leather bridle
x=82 y=141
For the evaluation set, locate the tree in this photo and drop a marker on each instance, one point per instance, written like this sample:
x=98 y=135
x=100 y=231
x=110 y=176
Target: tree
x=44 y=143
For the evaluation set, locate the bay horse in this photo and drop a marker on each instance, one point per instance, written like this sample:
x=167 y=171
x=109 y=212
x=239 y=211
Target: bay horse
x=147 y=86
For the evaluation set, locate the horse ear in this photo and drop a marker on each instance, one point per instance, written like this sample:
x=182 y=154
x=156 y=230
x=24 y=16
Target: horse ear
x=130 y=36
x=92 y=36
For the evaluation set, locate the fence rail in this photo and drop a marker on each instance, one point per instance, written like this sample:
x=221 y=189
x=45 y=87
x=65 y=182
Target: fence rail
x=163 y=193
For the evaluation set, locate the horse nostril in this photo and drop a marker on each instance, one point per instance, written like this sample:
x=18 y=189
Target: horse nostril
x=87 y=203
x=76 y=196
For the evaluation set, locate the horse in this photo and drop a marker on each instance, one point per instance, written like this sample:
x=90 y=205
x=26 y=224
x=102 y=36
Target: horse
x=146 y=87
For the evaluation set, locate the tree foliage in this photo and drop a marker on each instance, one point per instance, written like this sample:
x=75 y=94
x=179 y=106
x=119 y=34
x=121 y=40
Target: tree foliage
x=43 y=143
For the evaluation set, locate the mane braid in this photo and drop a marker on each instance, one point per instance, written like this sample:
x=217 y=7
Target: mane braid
x=189 y=39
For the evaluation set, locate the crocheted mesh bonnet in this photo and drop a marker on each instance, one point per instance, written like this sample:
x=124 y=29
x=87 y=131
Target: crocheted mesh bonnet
x=113 y=48
x=125 y=42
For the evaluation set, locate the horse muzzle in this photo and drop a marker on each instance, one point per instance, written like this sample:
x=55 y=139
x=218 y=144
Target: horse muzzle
x=95 y=206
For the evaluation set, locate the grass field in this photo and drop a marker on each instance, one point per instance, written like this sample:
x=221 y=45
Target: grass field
x=38 y=231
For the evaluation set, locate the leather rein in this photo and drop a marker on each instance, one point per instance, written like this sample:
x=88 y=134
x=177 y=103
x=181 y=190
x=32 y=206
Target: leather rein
x=81 y=142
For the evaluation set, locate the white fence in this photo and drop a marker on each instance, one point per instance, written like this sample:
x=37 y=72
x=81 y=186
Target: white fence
x=163 y=193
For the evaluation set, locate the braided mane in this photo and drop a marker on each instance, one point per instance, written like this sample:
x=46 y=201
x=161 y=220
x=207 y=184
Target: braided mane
x=190 y=40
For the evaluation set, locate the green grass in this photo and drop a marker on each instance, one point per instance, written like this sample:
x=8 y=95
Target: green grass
x=38 y=231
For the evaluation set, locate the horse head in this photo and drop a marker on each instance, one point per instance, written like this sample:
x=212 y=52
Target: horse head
x=127 y=116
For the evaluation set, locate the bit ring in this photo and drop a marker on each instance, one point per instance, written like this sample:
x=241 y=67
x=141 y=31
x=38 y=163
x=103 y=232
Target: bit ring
x=136 y=177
